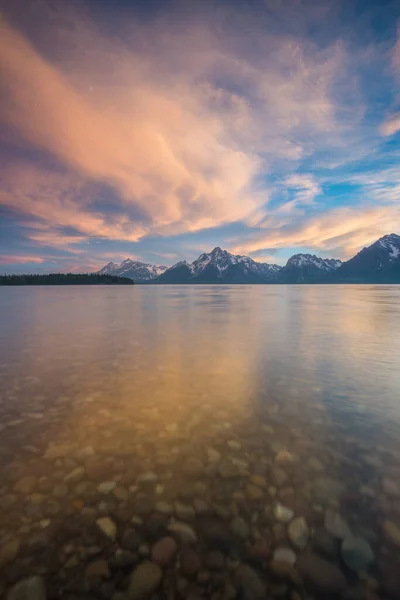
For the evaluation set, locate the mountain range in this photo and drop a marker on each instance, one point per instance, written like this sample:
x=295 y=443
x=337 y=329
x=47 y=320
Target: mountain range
x=378 y=263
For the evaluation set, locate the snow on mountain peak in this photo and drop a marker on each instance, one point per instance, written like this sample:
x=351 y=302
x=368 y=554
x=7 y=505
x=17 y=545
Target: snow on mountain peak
x=325 y=264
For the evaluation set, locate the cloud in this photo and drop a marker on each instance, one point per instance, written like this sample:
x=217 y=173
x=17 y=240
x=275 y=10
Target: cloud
x=391 y=125
x=181 y=130
x=189 y=125
x=345 y=230
x=13 y=260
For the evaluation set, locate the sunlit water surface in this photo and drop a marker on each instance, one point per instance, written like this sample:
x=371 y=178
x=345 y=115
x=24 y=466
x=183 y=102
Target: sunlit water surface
x=114 y=382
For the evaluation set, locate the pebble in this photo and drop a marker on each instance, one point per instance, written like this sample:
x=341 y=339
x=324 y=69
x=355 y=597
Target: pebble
x=392 y=532
x=130 y=540
x=285 y=555
x=282 y=513
x=9 y=551
x=184 y=512
x=148 y=477
x=165 y=508
x=108 y=527
x=278 y=476
x=145 y=580
x=193 y=468
x=253 y=492
x=98 y=569
x=240 y=528
x=190 y=562
x=214 y=560
x=32 y=588
x=106 y=487
x=164 y=551
x=213 y=455
x=298 y=532
x=335 y=525
x=249 y=583
x=357 y=554
x=26 y=485
x=183 y=532
x=321 y=575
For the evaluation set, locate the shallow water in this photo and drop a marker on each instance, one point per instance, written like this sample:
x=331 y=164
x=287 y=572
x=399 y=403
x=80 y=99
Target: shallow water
x=100 y=385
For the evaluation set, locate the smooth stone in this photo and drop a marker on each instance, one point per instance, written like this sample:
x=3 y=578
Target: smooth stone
x=201 y=507
x=106 y=487
x=193 y=468
x=249 y=583
x=298 y=532
x=165 y=508
x=335 y=525
x=148 y=477
x=108 y=527
x=326 y=489
x=164 y=551
x=356 y=553
x=8 y=552
x=321 y=575
x=234 y=445
x=214 y=560
x=392 y=532
x=75 y=476
x=57 y=451
x=240 y=528
x=324 y=544
x=190 y=562
x=145 y=580
x=278 y=476
x=60 y=491
x=259 y=481
x=284 y=570
x=282 y=513
x=130 y=540
x=390 y=487
x=217 y=535
x=285 y=555
x=213 y=455
x=184 y=512
x=183 y=531
x=32 y=588
x=228 y=470
x=98 y=569
x=283 y=456
x=26 y=485
x=315 y=464
x=253 y=492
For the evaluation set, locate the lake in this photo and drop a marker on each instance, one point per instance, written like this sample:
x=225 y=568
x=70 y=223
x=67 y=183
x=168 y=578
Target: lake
x=251 y=425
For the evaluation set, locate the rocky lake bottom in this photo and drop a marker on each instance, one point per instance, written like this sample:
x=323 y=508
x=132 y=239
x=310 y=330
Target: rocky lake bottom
x=115 y=486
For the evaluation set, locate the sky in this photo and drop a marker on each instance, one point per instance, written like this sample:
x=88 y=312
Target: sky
x=158 y=129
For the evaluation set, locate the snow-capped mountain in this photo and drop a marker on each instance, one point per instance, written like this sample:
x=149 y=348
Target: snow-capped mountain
x=219 y=266
x=133 y=269
x=304 y=268
x=378 y=263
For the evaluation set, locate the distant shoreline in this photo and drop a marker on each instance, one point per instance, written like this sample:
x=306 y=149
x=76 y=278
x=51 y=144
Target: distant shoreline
x=64 y=279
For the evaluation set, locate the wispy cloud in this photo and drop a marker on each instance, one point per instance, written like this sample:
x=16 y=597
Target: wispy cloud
x=198 y=129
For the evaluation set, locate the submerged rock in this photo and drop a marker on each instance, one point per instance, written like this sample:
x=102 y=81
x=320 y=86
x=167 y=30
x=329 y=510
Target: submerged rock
x=357 y=554
x=298 y=532
x=182 y=531
x=335 y=525
x=145 y=580
x=285 y=555
x=108 y=527
x=283 y=514
x=321 y=575
x=32 y=588
x=164 y=551
x=240 y=528
x=392 y=532
x=249 y=583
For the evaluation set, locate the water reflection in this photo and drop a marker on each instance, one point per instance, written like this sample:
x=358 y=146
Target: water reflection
x=287 y=396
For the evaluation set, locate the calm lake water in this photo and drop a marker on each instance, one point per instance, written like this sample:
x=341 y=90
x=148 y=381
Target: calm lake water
x=127 y=410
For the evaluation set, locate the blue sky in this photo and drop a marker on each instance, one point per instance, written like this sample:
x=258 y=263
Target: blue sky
x=158 y=130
